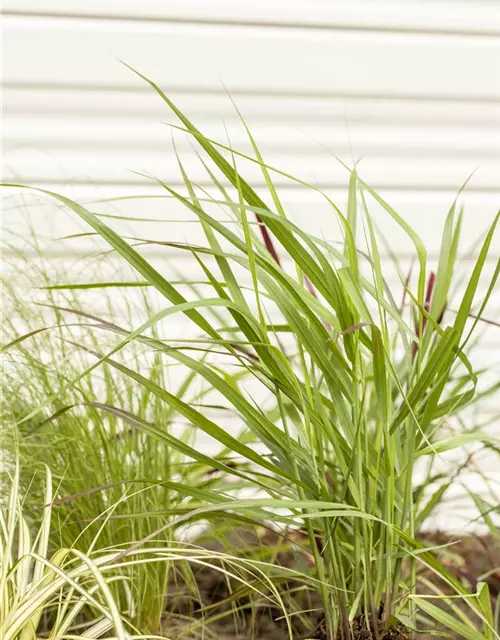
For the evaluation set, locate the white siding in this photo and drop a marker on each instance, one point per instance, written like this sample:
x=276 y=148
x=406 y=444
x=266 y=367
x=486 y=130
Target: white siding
x=412 y=88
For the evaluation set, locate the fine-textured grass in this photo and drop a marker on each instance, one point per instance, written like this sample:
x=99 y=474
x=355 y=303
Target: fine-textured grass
x=62 y=592
x=58 y=584
x=342 y=391
x=102 y=469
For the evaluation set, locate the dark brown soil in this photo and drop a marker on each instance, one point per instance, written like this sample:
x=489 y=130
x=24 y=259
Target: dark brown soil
x=468 y=558
x=360 y=632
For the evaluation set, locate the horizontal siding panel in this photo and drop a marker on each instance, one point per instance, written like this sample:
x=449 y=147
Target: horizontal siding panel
x=249 y=58
x=89 y=166
x=344 y=138
x=85 y=103
x=98 y=265
x=161 y=217
x=481 y=18
x=130 y=311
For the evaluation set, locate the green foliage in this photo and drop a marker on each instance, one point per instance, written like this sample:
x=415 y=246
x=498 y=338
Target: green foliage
x=338 y=389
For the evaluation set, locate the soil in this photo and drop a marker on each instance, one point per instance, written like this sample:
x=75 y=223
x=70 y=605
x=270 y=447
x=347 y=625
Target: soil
x=360 y=632
x=468 y=558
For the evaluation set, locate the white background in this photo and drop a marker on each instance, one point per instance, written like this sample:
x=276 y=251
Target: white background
x=411 y=88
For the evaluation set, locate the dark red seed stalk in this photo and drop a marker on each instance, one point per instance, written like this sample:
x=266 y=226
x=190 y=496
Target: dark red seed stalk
x=427 y=305
x=266 y=236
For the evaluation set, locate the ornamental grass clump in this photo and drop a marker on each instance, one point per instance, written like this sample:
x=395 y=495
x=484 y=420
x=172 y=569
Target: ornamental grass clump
x=56 y=586
x=340 y=390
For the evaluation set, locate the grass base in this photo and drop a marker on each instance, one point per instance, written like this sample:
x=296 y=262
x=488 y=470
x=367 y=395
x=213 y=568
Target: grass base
x=467 y=558
x=359 y=631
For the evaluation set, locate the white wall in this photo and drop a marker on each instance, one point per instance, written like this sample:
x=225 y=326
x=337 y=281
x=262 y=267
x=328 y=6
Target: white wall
x=412 y=88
